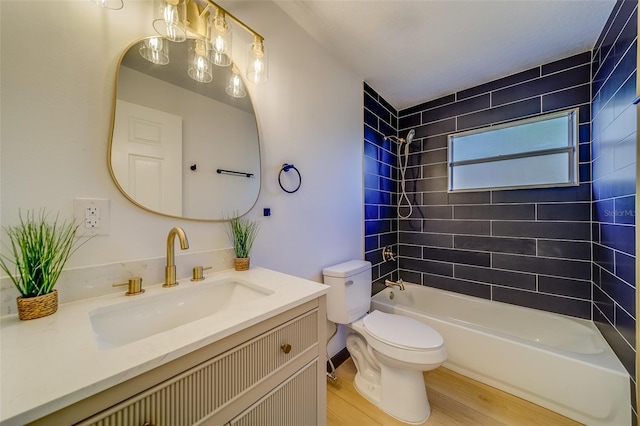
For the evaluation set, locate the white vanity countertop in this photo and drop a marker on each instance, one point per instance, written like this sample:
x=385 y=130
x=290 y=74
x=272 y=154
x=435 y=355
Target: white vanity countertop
x=52 y=362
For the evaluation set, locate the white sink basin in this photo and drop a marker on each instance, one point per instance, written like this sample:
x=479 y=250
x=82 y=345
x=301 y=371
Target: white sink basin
x=133 y=320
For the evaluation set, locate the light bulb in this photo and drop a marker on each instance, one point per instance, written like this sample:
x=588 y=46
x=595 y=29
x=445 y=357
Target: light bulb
x=256 y=71
x=221 y=35
x=199 y=66
x=219 y=45
x=155 y=50
x=257 y=59
x=169 y=19
x=235 y=87
x=258 y=66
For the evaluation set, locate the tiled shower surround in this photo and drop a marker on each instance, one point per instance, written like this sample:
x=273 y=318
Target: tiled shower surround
x=614 y=138
x=569 y=250
x=530 y=247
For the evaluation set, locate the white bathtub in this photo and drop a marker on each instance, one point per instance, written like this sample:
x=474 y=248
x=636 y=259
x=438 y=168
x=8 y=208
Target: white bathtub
x=558 y=362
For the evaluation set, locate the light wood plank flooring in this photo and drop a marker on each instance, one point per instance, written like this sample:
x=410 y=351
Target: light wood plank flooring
x=454 y=399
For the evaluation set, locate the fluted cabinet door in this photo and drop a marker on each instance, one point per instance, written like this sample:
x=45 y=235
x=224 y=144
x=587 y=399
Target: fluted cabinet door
x=293 y=403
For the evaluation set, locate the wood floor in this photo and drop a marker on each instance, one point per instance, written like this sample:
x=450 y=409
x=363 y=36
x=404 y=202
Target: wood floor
x=455 y=400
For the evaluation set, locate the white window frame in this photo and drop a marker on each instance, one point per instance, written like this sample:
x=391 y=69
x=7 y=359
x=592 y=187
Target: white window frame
x=572 y=178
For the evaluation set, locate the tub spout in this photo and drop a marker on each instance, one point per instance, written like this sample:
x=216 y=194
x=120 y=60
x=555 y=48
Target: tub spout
x=399 y=284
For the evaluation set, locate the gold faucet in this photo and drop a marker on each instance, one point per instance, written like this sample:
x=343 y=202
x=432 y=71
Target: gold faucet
x=170 y=269
x=399 y=283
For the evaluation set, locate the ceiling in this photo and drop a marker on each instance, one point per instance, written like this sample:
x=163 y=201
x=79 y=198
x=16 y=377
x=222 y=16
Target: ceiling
x=413 y=51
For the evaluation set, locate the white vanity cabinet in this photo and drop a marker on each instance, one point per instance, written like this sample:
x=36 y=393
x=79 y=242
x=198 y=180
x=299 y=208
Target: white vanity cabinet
x=272 y=373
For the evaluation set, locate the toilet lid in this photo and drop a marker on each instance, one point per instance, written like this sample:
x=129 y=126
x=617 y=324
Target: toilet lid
x=402 y=331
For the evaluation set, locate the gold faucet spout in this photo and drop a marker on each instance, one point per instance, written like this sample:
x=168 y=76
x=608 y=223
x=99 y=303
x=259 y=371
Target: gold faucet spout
x=170 y=269
x=399 y=283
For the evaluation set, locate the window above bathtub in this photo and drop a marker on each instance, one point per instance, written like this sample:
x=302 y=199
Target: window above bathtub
x=531 y=153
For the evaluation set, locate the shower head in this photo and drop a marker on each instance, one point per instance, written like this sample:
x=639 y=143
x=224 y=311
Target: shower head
x=410 y=136
x=399 y=140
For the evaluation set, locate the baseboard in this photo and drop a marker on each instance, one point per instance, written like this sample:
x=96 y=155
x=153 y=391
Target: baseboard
x=338 y=359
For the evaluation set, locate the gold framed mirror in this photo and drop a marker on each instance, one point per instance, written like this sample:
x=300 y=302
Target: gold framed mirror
x=180 y=147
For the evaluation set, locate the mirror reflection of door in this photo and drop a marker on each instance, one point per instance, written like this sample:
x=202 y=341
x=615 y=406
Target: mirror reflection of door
x=146 y=156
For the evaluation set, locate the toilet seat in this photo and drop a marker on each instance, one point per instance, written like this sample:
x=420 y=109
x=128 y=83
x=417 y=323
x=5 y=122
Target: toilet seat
x=402 y=332
x=393 y=350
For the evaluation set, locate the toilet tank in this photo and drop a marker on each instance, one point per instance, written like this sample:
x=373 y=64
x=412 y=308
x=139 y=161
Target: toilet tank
x=349 y=296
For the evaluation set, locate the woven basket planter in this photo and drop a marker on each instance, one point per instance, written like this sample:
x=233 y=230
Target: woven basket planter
x=241 y=263
x=37 y=307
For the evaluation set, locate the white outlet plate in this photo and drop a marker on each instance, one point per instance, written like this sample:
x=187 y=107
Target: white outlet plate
x=93 y=215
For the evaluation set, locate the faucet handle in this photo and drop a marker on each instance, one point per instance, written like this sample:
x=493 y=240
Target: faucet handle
x=388 y=254
x=135 y=286
x=198 y=273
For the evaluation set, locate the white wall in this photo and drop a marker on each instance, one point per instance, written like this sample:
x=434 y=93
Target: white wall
x=58 y=64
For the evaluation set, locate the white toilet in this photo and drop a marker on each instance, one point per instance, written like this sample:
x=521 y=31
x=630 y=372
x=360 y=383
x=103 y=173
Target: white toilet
x=390 y=351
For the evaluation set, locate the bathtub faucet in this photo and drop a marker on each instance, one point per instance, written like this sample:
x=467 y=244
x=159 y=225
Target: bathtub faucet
x=399 y=283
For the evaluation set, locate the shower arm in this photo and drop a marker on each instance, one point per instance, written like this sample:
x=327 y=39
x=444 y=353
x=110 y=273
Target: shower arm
x=397 y=139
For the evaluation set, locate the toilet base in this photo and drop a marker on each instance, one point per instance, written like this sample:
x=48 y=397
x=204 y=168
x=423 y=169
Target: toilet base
x=410 y=406
x=399 y=392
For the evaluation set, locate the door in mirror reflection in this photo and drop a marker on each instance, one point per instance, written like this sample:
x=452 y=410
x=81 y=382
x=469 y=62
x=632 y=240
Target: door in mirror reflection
x=146 y=156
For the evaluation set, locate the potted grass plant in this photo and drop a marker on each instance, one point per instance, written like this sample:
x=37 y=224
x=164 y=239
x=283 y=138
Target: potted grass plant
x=242 y=233
x=37 y=252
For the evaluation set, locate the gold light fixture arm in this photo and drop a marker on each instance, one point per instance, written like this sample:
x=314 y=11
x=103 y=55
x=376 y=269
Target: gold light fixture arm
x=215 y=5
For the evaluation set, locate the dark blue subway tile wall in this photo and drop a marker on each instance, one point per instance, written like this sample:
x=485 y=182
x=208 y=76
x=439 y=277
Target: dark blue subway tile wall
x=380 y=184
x=527 y=247
x=613 y=130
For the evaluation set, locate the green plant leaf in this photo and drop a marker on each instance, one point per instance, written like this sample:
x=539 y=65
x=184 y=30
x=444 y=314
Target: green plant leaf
x=242 y=232
x=38 y=251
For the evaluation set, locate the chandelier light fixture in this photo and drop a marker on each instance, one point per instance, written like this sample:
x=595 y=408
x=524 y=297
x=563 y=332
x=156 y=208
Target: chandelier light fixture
x=205 y=24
